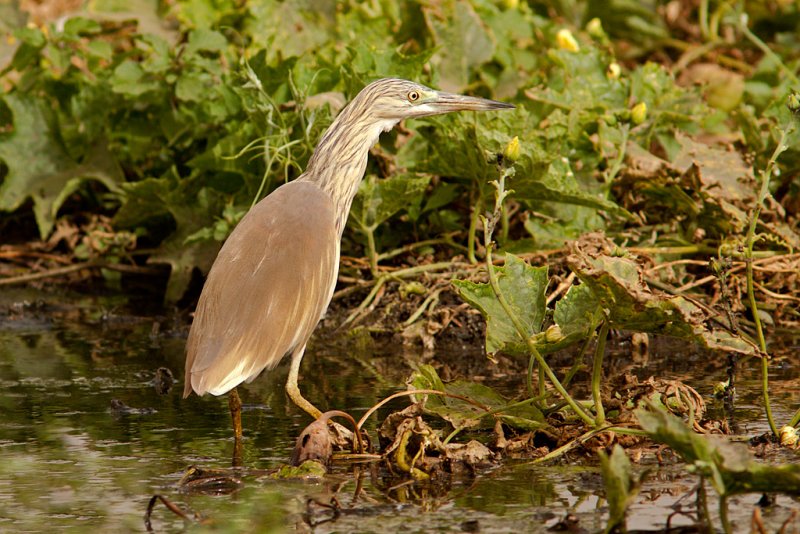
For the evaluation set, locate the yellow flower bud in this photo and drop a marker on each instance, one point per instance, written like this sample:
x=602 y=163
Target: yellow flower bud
x=613 y=71
x=639 y=113
x=566 y=41
x=595 y=28
x=511 y=4
x=553 y=334
x=511 y=153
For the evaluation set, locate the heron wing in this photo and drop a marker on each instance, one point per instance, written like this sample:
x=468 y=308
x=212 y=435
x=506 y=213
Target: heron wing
x=268 y=288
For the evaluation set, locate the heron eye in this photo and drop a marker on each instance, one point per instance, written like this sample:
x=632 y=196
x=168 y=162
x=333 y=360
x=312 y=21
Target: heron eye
x=413 y=96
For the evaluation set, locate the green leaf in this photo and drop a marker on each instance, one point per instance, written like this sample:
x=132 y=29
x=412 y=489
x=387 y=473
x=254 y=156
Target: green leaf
x=619 y=484
x=463 y=40
x=81 y=26
x=523 y=287
x=193 y=86
x=462 y=414
x=40 y=168
x=378 y=200
x=206 y=41
x=578 y=313
x=130 y=79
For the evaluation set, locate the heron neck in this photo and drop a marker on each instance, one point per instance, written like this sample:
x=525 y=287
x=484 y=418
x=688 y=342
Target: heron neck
x=340 y=159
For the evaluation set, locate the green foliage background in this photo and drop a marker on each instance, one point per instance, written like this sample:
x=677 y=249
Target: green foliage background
x=176 y=118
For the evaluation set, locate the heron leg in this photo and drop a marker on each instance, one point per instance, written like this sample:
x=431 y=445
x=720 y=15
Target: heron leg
x=293 y=391
x=235 y=405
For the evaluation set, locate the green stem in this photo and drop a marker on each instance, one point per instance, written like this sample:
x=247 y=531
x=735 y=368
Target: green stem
x=750 y=240
x=723 y=515
x=702 y=11
x=795 y=419
x=372 y=251
x=531 y=346
x=617 y=163
x=597 y=374
x=504 y=224
x=531 y=365
x=473 y=228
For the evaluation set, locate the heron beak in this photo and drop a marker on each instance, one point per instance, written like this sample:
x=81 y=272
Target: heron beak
x=447 y=102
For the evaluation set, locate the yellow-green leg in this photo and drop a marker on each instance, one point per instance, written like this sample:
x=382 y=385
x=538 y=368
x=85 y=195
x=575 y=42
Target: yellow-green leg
x=294 y=392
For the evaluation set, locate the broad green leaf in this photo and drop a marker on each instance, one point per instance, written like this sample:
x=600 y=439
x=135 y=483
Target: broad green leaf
x=462 y=414
x=578 y=313
x=463 y=40
x=131 y=80
x=193 y=86
x=203 y=40
x=378 y=200
x=523 y=287
x=40 y=168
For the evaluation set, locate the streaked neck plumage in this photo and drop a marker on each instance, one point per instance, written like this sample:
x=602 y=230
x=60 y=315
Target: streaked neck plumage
x=340 y=159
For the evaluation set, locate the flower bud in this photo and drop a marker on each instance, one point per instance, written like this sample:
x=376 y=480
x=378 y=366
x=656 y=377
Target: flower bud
x=566 y=41
x=639 y=113
x=613 y=71
x=511 y=152
x=595 y=28
x=553 y=334
x=793 y=102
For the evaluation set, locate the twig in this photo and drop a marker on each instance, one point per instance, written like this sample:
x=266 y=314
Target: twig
x=60 y=271
x=172 y=507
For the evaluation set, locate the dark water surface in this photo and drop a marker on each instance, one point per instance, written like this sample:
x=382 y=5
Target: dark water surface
x=68 y=462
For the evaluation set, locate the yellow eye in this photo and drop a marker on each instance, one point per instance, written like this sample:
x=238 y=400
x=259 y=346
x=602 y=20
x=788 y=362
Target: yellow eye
x=413 y=96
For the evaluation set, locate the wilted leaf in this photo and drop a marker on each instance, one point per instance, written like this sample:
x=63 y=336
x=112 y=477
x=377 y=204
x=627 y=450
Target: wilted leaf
x=523 y=287
x=616 y=282
x=730 y=466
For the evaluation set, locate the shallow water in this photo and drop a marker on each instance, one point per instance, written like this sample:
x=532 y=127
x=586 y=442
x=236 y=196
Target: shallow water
x=71 y=463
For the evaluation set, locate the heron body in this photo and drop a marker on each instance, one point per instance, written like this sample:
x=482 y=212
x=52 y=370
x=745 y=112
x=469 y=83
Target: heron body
x=274 y=277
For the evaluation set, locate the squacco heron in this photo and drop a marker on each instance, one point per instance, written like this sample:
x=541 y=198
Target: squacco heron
x=274 y=277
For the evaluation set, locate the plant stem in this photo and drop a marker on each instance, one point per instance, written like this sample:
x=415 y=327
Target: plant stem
x=750 y=240
x=531 y=346
x=597 y=374
x=723 y=515
x=373 y=253
x=702 y=12
x=473 y=228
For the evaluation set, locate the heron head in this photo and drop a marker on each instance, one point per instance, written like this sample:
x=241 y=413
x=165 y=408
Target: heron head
x=395 y=99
